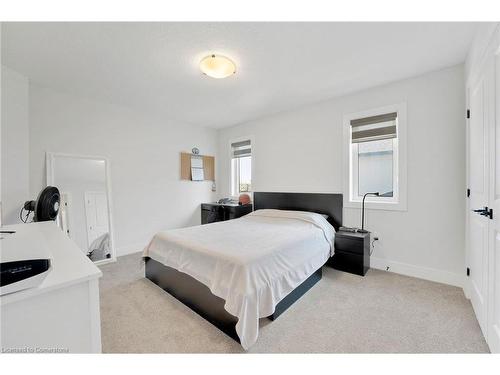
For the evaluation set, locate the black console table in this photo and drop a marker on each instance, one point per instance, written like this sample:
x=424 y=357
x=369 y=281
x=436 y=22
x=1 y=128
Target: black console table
x=213 y=212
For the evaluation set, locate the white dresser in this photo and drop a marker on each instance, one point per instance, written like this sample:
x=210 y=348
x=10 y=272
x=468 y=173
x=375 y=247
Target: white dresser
x=60 y=315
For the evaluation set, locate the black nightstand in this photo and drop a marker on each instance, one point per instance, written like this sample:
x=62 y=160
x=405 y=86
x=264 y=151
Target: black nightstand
x=212 y=212
x=352 y=252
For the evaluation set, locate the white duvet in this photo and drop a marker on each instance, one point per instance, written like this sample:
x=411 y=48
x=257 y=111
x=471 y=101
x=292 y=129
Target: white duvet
x=252 y=262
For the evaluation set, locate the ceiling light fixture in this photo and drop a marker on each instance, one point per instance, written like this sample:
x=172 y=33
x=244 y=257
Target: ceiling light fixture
x=217 y=66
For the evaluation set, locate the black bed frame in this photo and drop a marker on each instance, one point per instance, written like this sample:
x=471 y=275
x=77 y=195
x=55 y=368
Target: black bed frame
x=198 y=297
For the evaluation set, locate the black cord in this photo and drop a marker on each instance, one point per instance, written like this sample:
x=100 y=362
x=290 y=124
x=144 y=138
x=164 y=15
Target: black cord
x=25 y=220
x=21 y=215
x=373 y=247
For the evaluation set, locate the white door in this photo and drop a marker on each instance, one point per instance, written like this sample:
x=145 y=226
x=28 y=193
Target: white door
x=96 y=210
x=494 y=236
x=479 y=96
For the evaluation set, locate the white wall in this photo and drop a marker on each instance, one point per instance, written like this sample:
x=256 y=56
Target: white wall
x=300 y=151
x=147 y=193
x=14 y=147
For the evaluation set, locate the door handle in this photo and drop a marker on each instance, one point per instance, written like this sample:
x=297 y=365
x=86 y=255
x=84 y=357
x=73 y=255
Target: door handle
x=485 y=211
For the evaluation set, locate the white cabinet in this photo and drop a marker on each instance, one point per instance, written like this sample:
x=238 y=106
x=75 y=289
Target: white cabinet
x=62 y=314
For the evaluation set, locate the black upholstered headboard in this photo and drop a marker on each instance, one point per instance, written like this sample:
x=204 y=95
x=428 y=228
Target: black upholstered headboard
x=322 y=203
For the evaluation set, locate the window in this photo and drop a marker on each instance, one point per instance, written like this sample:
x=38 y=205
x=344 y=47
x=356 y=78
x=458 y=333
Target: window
x=374 y=142
x=241 y=167
x=375 y=161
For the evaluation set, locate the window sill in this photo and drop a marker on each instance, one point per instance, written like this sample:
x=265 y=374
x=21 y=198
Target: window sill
x=370 y=205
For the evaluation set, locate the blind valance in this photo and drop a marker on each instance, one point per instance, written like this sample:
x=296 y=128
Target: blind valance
x=241 y=149
x=374 y=128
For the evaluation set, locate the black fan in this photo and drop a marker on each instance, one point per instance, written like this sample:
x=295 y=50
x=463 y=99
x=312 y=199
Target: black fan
x=45 y=207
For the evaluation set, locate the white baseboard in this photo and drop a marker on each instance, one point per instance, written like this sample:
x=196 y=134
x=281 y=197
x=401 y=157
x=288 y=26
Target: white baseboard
x=431 y=274
x=129 y=249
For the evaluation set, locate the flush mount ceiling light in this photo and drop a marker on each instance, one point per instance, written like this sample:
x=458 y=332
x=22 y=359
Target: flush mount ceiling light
x=217 y=66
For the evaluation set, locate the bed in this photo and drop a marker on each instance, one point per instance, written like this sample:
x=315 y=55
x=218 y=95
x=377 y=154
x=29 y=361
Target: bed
x=233 y=273
x=99 y=248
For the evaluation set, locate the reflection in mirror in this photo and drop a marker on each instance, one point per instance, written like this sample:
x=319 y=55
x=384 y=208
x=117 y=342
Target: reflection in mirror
x=84 y=212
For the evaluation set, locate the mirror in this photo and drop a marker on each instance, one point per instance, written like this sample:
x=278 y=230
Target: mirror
x=84 y=214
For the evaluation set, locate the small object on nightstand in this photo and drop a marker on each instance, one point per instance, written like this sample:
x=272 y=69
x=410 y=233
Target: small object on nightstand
x=348 y=229
x=352 y=252
x=244 y=199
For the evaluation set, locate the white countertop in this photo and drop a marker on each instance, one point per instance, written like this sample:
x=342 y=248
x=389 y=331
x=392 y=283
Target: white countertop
x=69 y=264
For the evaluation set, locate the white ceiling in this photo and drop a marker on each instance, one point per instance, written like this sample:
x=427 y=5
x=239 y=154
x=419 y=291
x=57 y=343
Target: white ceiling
x=154 y=66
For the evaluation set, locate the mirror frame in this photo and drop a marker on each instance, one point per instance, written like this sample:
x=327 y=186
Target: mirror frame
x=50 y=156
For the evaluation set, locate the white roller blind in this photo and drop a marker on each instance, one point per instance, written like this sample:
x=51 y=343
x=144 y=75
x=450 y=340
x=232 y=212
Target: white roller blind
x=374 y=128
x=241 y=149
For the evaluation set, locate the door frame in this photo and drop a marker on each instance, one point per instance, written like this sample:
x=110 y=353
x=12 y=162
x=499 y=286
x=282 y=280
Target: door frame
x=481 y=82
x=69 y=200
x=492 y=49
x=493 y=256
x=470 y=81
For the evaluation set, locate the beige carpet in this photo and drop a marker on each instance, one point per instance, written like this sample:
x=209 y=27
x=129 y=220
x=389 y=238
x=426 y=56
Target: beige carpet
x=379 y=313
